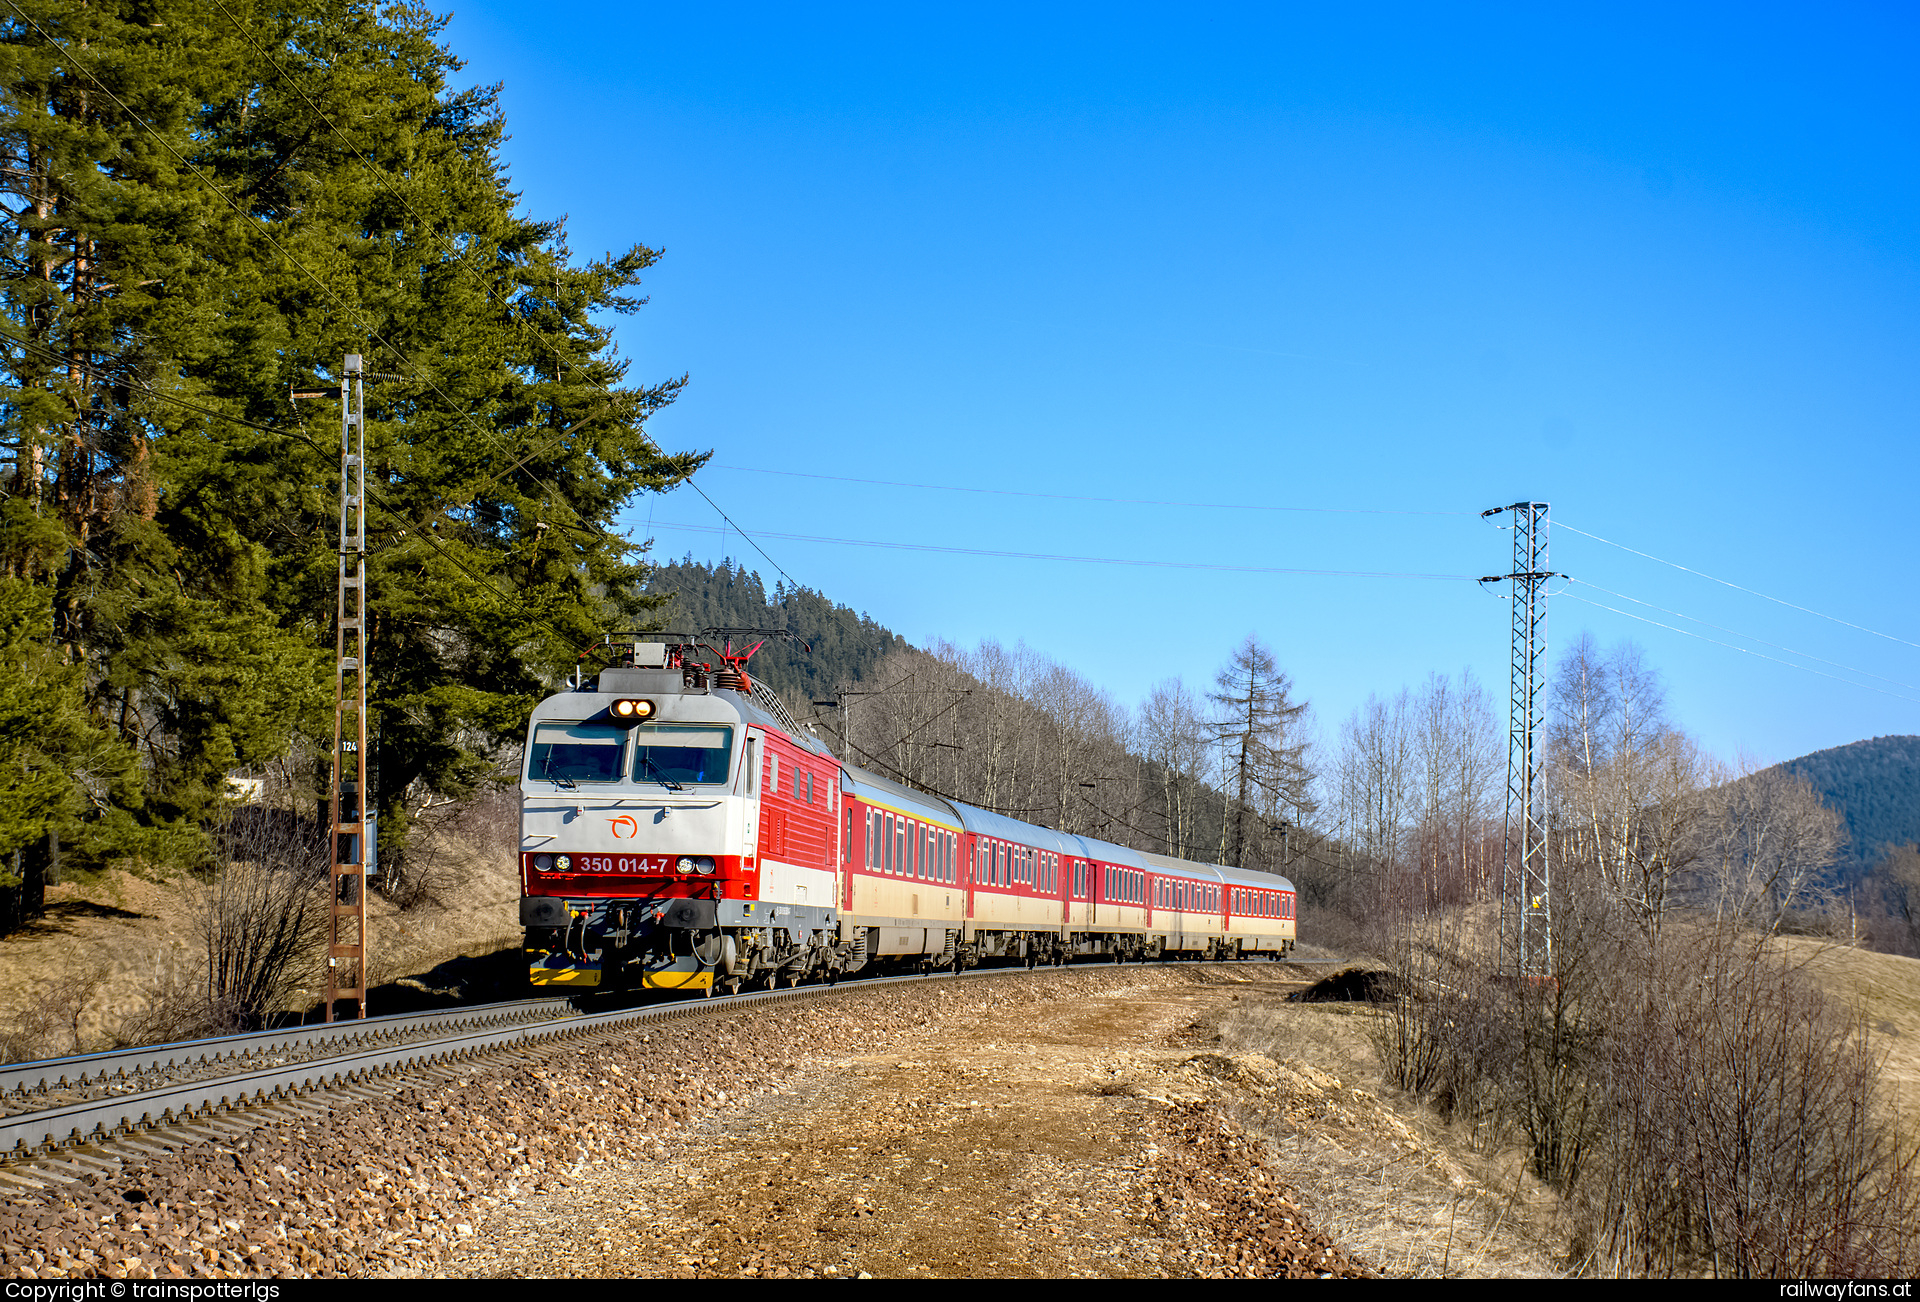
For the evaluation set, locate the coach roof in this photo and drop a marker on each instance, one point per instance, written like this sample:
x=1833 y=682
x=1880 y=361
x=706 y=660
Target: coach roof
x=984 y=822
x=876 y=790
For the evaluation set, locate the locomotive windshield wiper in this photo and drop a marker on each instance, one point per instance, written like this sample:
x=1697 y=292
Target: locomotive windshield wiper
x=664 y=780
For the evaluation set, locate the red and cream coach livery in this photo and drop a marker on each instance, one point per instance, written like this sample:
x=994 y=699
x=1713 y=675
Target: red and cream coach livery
x=679 y=831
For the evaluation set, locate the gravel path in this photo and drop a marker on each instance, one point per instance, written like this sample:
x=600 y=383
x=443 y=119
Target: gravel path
x=1035 y=1126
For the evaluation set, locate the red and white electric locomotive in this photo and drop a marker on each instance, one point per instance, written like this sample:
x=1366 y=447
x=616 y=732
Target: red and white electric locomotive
x=679 y=831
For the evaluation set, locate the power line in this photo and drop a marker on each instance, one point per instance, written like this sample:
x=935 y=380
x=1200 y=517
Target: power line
x=1079 y=560
x=1069 y=497
x=1740 y=588
x=1573 y=596
x=1750 y=637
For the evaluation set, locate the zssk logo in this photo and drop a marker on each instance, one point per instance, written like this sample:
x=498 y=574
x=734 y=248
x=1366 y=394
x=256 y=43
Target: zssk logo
x=624 y=827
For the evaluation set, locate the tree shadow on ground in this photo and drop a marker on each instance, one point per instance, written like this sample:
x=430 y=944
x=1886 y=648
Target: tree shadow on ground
x=58 y=918
x=468 y=979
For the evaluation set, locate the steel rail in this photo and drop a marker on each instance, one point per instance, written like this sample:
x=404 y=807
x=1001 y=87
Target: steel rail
x=28 y=1135
x=82 y=1069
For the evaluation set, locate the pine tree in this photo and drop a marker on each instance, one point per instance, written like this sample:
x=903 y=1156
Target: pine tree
x=211 y=203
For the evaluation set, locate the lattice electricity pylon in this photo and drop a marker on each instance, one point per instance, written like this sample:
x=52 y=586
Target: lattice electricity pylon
x=1526 y=879
x=347 y=915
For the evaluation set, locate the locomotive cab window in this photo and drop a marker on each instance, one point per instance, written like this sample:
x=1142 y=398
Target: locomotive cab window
x=677 y=752
x=574 y=752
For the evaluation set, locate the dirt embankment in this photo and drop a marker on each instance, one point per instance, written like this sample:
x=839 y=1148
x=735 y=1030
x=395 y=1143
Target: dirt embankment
x=74 y=979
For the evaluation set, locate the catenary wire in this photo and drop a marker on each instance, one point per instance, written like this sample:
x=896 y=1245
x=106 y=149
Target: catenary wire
x=736 y=528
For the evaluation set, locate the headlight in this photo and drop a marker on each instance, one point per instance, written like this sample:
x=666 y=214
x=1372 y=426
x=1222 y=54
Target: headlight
x=564 y=863
x=543 y=862
x=685 y=865
x=703 y=864
x=631 y=711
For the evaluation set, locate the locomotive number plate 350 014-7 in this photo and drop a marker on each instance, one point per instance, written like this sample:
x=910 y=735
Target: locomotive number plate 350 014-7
x=644 y=865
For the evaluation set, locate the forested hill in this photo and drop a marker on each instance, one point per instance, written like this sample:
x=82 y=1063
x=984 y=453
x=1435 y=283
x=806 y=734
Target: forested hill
x=1876 y=786
x=846 y=646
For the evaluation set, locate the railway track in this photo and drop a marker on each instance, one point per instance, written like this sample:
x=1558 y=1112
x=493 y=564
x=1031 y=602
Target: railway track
x=66 y=1118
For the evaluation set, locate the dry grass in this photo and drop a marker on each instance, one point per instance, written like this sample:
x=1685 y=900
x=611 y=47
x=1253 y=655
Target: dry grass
x=111 y=941
x=1885 y=989
x=1379 y=1173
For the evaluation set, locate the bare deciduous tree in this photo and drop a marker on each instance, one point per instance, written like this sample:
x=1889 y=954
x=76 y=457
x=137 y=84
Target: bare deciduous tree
x=1173 y=739
x=1628 y=789
x=262 y=915
x=1769 y=839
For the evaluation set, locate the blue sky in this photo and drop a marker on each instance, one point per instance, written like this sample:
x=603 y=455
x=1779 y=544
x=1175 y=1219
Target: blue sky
x=1656 y=269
